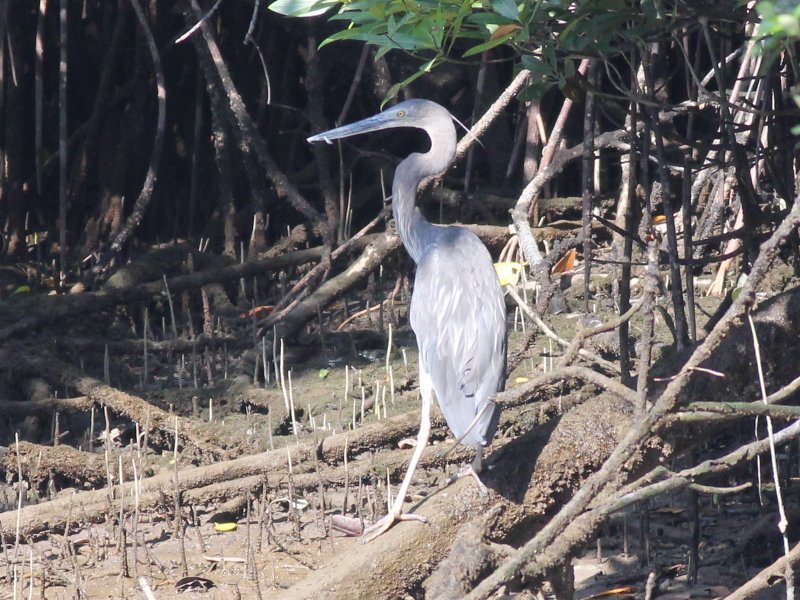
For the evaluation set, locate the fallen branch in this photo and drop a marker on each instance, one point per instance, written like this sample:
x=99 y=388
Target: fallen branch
x=94 y=504
x=56 y=309
x=767 y=577
x=522 y=492
x=306 y=309
x=527 y=558
x=62 y=463
x=161 y=423
x=45 y=406
x=746 y=409
x=591 y=356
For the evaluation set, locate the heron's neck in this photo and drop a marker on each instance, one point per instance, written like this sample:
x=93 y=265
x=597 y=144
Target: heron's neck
x=416 y=232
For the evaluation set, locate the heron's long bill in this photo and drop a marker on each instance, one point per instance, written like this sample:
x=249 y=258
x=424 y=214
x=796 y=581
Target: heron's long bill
x=382 y=120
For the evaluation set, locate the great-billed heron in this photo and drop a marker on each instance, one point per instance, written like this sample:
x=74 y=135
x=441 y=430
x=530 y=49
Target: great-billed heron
x=457 y=306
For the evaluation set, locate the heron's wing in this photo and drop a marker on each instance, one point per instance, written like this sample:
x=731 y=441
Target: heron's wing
x=458 y=316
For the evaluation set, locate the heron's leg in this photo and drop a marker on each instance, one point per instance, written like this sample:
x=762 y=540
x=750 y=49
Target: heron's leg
x=477 y=464
x=396 y=513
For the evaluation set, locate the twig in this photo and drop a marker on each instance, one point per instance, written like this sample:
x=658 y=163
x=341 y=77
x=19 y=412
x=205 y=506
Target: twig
x=288 y=301
x=783 y=523
x=368 y=310
x=53 y=309
x=521 y=393
x=197 y=25
x=555 y=337
x=248 y=137
x=744 y=409
x=369 y=260
x=503 y=100
x=554 y=141
x=62 y=142
x=528 y=557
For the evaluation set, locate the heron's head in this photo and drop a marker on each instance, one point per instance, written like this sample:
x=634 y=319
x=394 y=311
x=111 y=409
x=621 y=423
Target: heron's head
x=422 y=114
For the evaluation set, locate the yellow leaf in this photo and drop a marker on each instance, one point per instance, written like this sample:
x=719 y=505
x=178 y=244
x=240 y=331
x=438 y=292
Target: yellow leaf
x=508 y=272
x=624 y=591
x=223 y=527
x=521 y=380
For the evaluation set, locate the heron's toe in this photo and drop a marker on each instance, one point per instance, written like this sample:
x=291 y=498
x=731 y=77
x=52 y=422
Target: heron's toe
x=386 y=523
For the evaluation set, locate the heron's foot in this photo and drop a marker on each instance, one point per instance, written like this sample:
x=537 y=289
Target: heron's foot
x=469 y=471
x=385 y=524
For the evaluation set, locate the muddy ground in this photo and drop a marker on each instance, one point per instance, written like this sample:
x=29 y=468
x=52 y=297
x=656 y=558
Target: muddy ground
x=285 y=539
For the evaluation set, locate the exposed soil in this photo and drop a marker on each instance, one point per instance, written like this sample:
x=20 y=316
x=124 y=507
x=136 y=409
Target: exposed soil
x=284 y=544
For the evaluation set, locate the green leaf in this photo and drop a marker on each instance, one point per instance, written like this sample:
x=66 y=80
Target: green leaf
x=425 y=68
x=650 y=10
x=379 y=54
x=355 y=18
x=506 y=8
x=569 y=68
x=360 y=34
x=323 y=373
x=536 y=66
x=549 y=51
x=302 y=8
x=573 y=36
x=488 y=45
x=487 y=19
x=534 y=92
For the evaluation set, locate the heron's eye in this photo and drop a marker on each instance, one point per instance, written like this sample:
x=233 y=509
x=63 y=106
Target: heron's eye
x=401 y=113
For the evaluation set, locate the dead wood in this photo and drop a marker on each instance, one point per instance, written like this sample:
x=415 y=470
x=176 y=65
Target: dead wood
x=193 y=438
x=497 y=202
x=777 y=322
x=399 y=560
x=563 y=452
x=519 y=214
x=563 y=455
x=370 y=259
x=224 y=480
x=45 y=406
x=58 y=466
x=55 y=309
x=153 y=264
x=94 y=504
x=521 y=493
x=380 y=247
x=142 y=280
x=540 y=553
x=767 y=578
x=471 y=558
x=493 y=236
x=76 y=345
